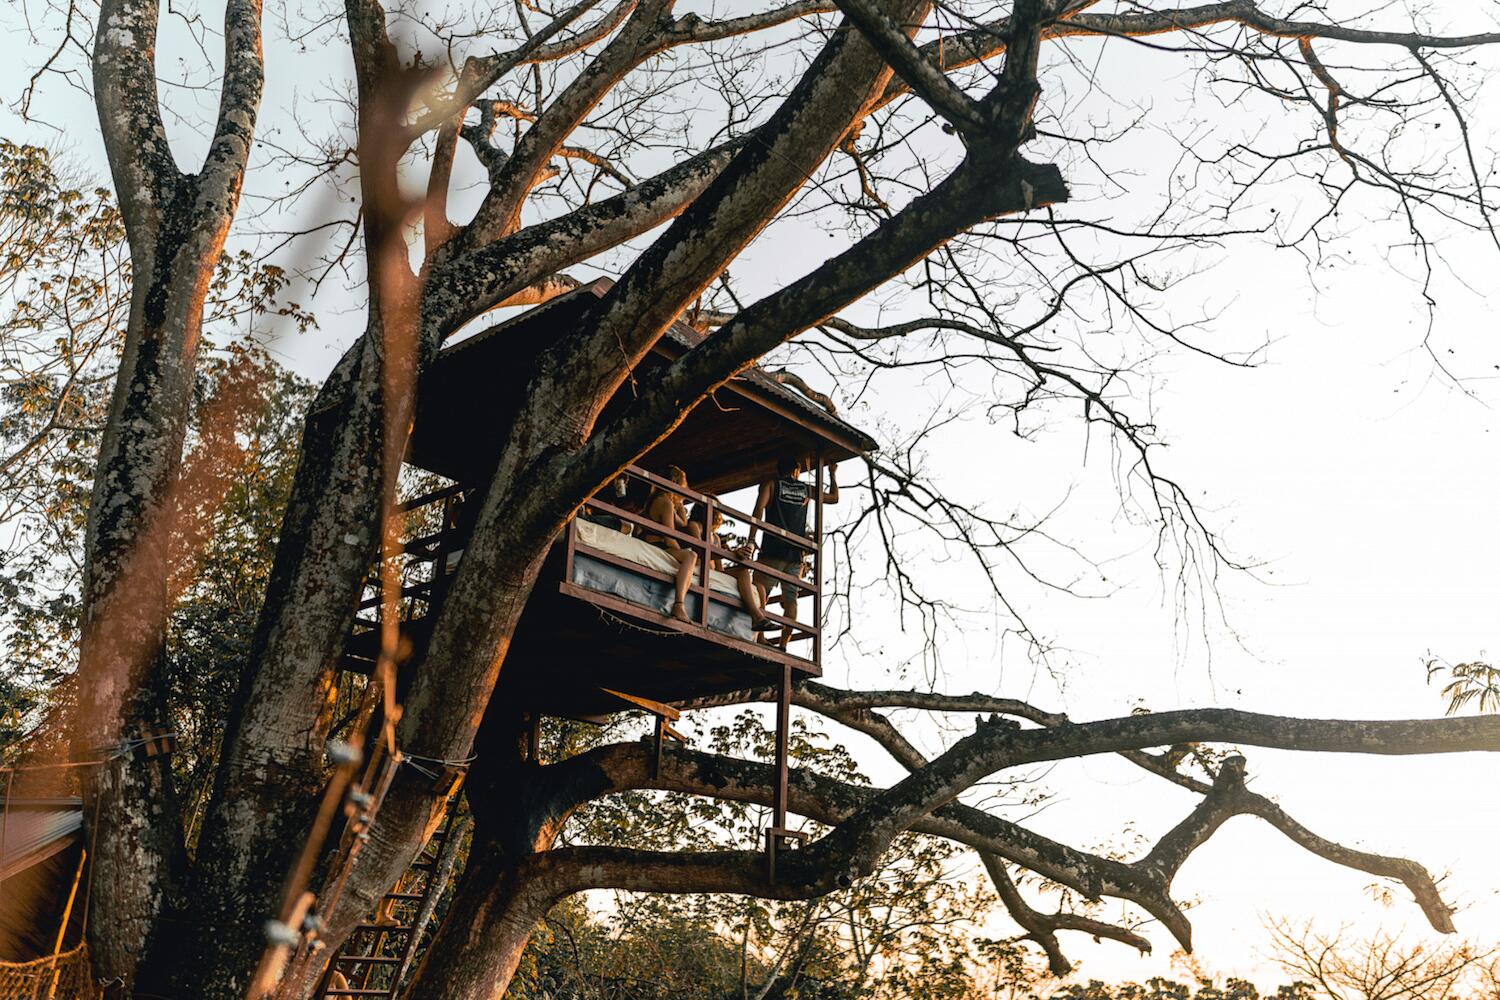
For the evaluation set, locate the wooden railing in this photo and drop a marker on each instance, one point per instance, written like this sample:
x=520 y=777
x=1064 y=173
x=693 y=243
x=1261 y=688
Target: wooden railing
x=709 y=546
x=424 y=560
x=431 y=537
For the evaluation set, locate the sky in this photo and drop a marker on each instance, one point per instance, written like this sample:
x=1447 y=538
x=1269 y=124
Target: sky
x=1360 y=482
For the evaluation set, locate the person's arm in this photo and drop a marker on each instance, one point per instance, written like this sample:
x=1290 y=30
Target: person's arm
x=762 y=504
x=831 y=489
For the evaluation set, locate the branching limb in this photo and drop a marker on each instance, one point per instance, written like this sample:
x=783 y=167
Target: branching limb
x=926 y=79
x=135 y=139
x=855 y=709
x=693 y=28
x=474 y=282
x=964 y=48
x=219 y=182
x=830 y=802
x=972 y=193
x=1229 y=797
x=480 y=74
x=991 y=181
x=1043 y=927
x=994 y=748
x=499 y=214
x=849 y=851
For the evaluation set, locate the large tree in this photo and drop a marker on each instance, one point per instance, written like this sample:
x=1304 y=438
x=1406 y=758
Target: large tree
x=943 y=140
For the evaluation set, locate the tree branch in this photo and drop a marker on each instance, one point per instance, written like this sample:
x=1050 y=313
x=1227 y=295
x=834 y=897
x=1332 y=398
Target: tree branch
x=974 y=192
x=223 y=173
x=853 y=708
x=478 y=75
x=965 y=48
x=926 y=79
x=135 y=140
x=1043 y=927
x=476 y=281
x=637 y=41
x=846 y=853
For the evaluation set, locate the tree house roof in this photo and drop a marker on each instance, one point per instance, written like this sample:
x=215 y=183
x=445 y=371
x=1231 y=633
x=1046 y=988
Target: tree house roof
x=731 y=440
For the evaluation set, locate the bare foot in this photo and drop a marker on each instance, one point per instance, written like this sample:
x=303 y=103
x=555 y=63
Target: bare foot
x=679 y=611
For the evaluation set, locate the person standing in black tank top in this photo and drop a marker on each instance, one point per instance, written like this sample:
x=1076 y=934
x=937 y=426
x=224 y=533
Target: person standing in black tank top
x=784 y=503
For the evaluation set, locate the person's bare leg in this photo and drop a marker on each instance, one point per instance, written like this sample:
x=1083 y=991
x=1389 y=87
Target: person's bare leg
x=763 y=601
x=687 y=561
x=788 y=610
x=749 y=595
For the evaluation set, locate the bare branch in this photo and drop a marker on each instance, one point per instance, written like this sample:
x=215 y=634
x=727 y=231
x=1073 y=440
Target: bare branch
x=927 y=80
x=1043 y=927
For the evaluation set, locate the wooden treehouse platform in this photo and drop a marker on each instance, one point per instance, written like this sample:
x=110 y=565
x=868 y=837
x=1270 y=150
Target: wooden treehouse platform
x=595 y=626
x=596 y=637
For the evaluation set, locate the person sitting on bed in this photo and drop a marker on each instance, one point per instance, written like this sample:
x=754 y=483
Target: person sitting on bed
x=666 y=508
x=749 y=596
x=622 y=495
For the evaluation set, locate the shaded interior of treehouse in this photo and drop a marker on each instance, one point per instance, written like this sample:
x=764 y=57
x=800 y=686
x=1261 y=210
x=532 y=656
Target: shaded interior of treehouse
x=599 y=634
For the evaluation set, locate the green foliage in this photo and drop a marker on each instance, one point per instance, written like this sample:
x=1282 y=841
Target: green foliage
x=208 y=638
x=64 y=299
x=672 y=952
x=64 y=292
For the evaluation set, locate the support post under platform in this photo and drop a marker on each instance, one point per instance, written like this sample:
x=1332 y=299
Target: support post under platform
x=778 y=836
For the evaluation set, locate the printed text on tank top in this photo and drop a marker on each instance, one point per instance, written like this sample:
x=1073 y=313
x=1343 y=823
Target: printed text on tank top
x=787 y=510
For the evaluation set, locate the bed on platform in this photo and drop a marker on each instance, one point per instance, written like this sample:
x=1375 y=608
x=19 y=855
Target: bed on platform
x=608 y=560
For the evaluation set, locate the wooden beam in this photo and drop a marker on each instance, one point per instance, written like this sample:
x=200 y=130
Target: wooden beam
x=657 y=708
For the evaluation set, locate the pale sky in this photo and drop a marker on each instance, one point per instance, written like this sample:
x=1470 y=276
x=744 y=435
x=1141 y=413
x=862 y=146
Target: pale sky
x=1362 y=483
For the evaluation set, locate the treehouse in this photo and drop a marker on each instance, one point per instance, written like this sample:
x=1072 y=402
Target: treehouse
x=597 y=636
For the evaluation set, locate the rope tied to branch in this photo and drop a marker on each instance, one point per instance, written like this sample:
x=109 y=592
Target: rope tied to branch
x=153 y=745
x=444 y=763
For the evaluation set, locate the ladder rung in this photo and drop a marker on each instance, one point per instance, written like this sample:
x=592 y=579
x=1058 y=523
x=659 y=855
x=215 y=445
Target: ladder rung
x=370 y=959
x=393 y=928
x=357 y=993
x=406 y=895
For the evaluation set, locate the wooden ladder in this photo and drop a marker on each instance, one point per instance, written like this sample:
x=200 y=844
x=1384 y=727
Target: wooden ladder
x=377 y=954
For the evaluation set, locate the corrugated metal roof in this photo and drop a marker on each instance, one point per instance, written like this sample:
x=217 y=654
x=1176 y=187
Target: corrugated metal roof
x=34 y=829
x=686 y=337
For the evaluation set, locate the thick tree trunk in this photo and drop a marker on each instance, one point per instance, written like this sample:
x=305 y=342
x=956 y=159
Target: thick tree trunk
x=176 y=224
x=267 y=787
x=273 y=763
x=479 y=945
x=519 y=808
x=137 y=842
x=411 y=809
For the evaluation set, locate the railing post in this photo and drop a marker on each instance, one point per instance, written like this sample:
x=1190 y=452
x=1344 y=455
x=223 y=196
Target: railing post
x=572 y=533
x=817 y=650
x=783 y=742
x=775 y=836
x=706 y=574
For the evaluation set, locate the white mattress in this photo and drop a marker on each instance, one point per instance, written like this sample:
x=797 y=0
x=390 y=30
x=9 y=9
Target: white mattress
x=617 y=543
